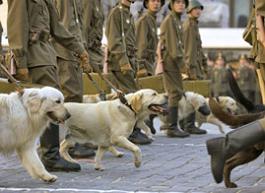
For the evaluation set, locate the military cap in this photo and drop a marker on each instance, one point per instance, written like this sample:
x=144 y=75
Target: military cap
x=194 y=4
x=172 y=1
x=146 y=1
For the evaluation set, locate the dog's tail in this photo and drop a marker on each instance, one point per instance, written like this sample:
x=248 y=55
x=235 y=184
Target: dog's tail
x=233 y=120
x=237 y=92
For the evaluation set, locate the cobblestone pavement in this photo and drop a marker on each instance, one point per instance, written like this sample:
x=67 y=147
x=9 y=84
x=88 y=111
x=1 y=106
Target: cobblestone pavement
x=169 y=165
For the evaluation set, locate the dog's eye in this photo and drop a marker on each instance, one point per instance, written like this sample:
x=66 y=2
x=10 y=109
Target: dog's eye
x=154 y=94
x=58 y=101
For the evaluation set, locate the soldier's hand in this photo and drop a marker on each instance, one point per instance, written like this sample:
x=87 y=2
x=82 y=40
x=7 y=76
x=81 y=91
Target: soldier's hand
x=84 y=64
x=126 y=68
x=22 y=74
x=142 y=73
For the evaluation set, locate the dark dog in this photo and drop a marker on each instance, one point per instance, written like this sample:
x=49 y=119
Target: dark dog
x=246 y=155
x=250 y=107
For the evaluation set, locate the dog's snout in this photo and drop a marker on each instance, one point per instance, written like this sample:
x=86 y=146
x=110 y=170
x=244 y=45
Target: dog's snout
x=204 y=110
x=67 y=115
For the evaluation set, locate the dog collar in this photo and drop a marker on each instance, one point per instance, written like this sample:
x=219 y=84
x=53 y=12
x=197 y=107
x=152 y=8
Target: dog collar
x=128 y=105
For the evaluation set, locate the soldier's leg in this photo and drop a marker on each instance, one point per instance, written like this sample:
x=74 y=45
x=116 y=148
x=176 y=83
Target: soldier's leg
x=174 y=88
x=71 y=82
x=49 y=141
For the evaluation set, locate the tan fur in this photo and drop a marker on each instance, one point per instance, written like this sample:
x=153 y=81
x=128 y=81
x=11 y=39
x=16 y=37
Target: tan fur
x=23 y=118
x=109 y=123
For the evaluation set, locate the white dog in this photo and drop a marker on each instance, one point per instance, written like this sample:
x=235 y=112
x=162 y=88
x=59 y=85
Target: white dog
x=109 y=123
x=228 y=105
x=23 y=118
x=189 y=103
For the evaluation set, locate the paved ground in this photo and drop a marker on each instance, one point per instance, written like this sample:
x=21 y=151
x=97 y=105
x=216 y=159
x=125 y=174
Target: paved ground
x=169 y=165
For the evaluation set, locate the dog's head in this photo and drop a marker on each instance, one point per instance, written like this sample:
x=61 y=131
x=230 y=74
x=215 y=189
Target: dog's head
x=198 y=102
x=228 y=104
x=46 y=101
x=147 y=101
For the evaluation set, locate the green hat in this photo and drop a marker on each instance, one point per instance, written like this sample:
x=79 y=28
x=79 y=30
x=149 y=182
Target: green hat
x=172 y=1
x=194 y=4
x=146 y=1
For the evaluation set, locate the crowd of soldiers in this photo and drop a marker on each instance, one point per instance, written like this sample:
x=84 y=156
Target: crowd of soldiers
x=54 y=42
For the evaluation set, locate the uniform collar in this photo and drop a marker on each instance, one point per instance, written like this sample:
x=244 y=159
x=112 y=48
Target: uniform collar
x=193 y=18
x=121 y=5
x=153 y=14
x=177 y=15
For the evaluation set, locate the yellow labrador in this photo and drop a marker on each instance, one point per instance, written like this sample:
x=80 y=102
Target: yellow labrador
x=23 y=118
x=228 y=104
x=109 y=123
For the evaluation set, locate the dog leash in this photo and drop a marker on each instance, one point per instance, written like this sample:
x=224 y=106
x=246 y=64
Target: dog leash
x=102 y=94
x=11 y=78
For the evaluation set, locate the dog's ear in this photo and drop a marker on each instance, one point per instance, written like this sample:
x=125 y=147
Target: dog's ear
x=136 y=102
x=34 y=102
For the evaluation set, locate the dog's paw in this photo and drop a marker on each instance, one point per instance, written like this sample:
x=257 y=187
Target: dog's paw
x=50 y=178
x=99 y=168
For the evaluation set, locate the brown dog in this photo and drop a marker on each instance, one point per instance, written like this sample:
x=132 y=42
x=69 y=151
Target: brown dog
x=244 y=156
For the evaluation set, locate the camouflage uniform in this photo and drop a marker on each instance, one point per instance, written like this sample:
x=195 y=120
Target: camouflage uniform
x=146 y=43
x=30 y=24
x=92 y=24
x=121 y=48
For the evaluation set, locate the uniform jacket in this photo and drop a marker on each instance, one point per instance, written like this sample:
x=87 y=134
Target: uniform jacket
x=146 y=41
x=93 y=21
x=30 y=24
x=260 y=9
x=171 y=38
x=194 y=57
x=121 y=47
x=70 y=16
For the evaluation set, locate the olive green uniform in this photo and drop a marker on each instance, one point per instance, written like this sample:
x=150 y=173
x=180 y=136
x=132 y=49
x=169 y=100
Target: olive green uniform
x=120 y=33
x=171 y=37
x=93 y=21
x=246 y=80
x=220 y=83
x=260 y=58
x=30 y=25
x=146 y=42
x=70 y=72
x=1 y=33
x=194 y=57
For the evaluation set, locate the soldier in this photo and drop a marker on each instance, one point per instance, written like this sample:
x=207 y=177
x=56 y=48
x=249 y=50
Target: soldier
x=222 y=148
x=172 y=52
x=220 y=83
x=246 y=78
x=146 y=38
x=92 y=24
x=194 y=57
x=70 y=72
x=120 y=32
x=30 y=25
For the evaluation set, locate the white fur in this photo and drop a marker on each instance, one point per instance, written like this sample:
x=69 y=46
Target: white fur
x=23 y=118
x=228 y=104
x=109 y=123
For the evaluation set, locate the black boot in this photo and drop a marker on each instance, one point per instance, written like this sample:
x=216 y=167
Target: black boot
x=222 y=148
x=137 y=137
x=150 y=123
x=188 y=125
x=173 y=130
x=81 y=151
x=49 y=150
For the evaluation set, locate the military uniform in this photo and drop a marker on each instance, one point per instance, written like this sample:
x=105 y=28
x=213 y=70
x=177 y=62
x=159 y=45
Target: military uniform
x=172 y=52
x=194 y=56
x=146 y=43
x=120 y=32
x=92 y=24
x=246 y=80
x=220 y=82
x=30 y=24
x=1 y=33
